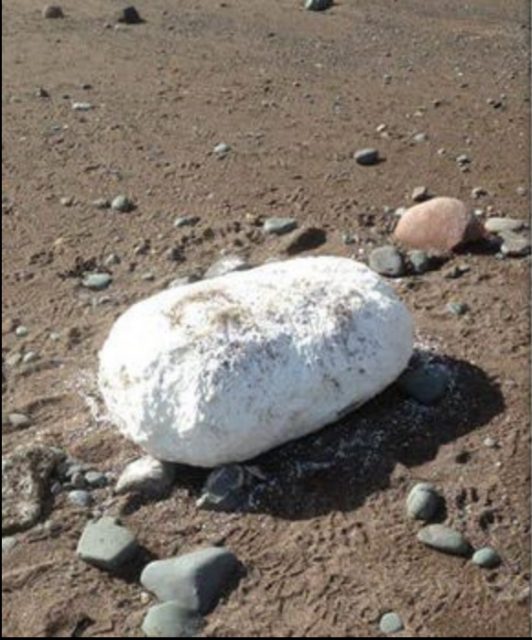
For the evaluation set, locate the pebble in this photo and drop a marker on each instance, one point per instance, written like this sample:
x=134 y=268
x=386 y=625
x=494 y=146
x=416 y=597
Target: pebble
x=440 y=224
x=146 y=475
x=14 y=359
x=226 y=265
x=195 y=580
x=18 y=420
x=478 y=192
x=279 y=226
x=463 y=160
x=21 y=331
x=391 y=623
x=318 y=5
x=129 y=15
x=8 y=543
x=223 y=489
x=387 y=261
x=367 y=157
x=81 y=106
x=186 y=221
x=304 y=239
x=97 y=281
x=112 y=259
x=101 y=203
x=487 y=558
x=96 y=479
x=122 y=203
x=419 y=260
x=514 y=245
x=170 y=620
x=420 y=137
x=30 y=356
x=420 y=194
x=497 y=225
x=426 y=383
x=456 y=271
x=106 y=544
x=222 y=149
x=80 y=498
x=52 y=11
x=457 y=308
x=490 y=443
x=442 y=538
x=67 y=201
x=423 y=502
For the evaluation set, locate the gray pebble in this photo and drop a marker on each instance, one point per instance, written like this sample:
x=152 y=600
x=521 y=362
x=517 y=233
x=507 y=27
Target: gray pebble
x=96 y=479
x=391 y=623
x=487 y=558
x=195 y=580
x=318 y=5
x=106 y=544
x=444 y=539
x=423 y=502
x=490 y=443
x=81 y=106
x=52 y=11
x=67 y=201
x=279 y=226
x=426 y=383
x=421 y=137
x=122 y=203
x=222 y=149
x=226 y=265
x=497 y=224
x=514 y=245
x=387 y=261
x=457 y=308
x=80 y=498
x=367 y=157
x=19 y=420
x=146 y=475
x=21 y=331
x=419 y=260
x=420 y=194
x=97 y=281
x=30 y=356
x=170 y=620
x=101 y=203
x=186 y=221
x=223 y=489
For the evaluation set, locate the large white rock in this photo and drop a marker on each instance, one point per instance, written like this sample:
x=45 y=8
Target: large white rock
x=221 y=370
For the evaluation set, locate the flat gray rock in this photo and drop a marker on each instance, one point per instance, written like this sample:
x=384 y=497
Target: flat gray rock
x=514 y=245
x=387 y=261
x=170 y=620
x=391 y=623
x=442 y=538
x=122 y=203
x=25 y=478
x=195 y=580
x=279 y=226
x=106 y=544
x=146 y=475
x=496 y=224
x=97 y=281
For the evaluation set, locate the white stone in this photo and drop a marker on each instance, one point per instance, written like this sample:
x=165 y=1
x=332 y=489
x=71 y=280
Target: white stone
x=145 y=475
x=222 y=370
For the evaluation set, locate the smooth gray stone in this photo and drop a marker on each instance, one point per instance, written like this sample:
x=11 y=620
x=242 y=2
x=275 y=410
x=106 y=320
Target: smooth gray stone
x=146 y=475
x=80 y=498
x=170 y=620
x=442 y=538
x=367 y=157
x=391 y=623
x=487 y=558
x=498 y=225
x=423 y=502
x=195 y=580
x=426 y=383
x=106 y=544
x=387 y=261
x=279 y=226
x=97 y=281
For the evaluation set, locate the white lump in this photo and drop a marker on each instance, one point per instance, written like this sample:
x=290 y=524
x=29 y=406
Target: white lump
x=222 y=370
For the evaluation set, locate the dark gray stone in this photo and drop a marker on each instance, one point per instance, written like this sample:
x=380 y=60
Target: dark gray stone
x=318 y=5
x=387 y=261
x=223 y=489
x=419 y=260
x=426 y=383
x=367 y=157
x=106 y=544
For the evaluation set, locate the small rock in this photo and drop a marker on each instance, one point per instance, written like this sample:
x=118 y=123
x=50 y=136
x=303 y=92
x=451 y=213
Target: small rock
x=8 y=543
x=305 y=239
x=420 y=137
x=30 y=356
x=426 y=383
x=223 y=489
x=498 y=225
x=67 y=201
x=52 y=11
x=170 y=620
x=226 y=265
x=146 y=475
x=420 y=194
x=19 y=420
x=487 y=558
x=423 y=502
x=195 y=581
x=513 y=245
x=279 y=226
x=490 y=443
x=440 y=224
x=129 y=15
x=122 y=203
x=367 y=157
x=221 y=149
x=96 y=479
x=42 y=93
x=186 y=221
x=419 y=260
x=457 y=308
x=80 y=498
x=101 y=203
x=14 y=359
x=521 y=191
x=478 y=192
x=463 y=160
x=391 y=623
x=442 y=538
x=106 y=544
x=97 y=281
x=387 y=261
x=112 y=259
x=21 y=331
x=455 y=272
x=318 y=5
x=81 y=106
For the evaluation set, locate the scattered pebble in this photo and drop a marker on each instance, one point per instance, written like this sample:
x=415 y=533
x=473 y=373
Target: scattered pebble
x=420 y=137
x=80 y=498
x=457 y=308
x=487 y=558
x=426 y=383
x=170 y=620
x=221 y=149
x=186 y=221
x=42 y=93
x=195 y=581
x=419 y=260
x=514 y=245
x=129 y=15
x=101 y=203
x=455 y=272
x=226 y=265
x=420 y=194
x=463 y=160
x=97 y=281
x=8 y=543
x=21 y=331
x=318 y=5
x=478 y=192
x=387 y=261
x=18 y=420
x=81 y=106
x=122 y=203
x=67 y=201
x=96 y=479
x=223 y=489
x=279 y=226
x=423 y=502
x=30 y=356
x=490 y=443
x=106 y=544
x=498 y=225
x=367 y=157
x=444 y=539
x=391 y=623
x=52 y=11
x=146 y=475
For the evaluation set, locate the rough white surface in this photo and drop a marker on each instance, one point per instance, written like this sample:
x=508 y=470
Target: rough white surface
x=222 y=370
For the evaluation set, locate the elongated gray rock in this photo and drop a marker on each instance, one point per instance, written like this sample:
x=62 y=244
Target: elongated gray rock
x=236 y=365
x=442 y=538
x=195 y=581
